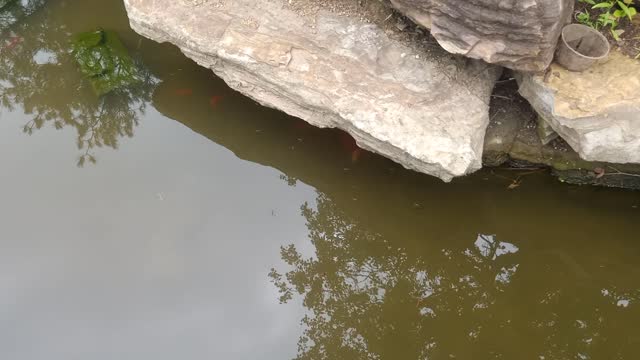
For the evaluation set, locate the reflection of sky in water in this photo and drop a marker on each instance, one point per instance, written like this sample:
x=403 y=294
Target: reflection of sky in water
x=162 y=249
x=623 y=303
x=487 y=244
x=95 y=264
x=491 y=248
x=44 y=56
x=619 y=300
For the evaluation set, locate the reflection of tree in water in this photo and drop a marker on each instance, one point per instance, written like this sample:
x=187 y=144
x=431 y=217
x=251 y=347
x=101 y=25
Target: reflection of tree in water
x=370 y=299
x=12 y=11
x=38 y=73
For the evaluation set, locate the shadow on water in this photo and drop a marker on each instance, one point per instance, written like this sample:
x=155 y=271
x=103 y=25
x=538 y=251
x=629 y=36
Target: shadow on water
x=399 y=269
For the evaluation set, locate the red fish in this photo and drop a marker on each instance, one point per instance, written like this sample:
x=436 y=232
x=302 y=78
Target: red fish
x=184 y=92
x=13 y=42
x=300 y=124
x=349 y=144
x=215 y=99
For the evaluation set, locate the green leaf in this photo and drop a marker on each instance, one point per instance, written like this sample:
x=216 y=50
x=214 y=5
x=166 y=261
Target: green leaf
x=584 y=18
x=602 y=5
x=607 y=19
x=616 y=34
x=626 y=10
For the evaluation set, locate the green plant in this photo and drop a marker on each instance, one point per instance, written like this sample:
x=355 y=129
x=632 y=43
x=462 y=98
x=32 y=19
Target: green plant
x=609 y=14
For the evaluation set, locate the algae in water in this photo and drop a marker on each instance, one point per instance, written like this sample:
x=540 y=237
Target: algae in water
x=104 y=60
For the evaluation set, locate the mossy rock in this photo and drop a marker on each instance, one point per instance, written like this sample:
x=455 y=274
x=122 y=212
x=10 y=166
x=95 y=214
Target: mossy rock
x=105 y=61
x=611 y=176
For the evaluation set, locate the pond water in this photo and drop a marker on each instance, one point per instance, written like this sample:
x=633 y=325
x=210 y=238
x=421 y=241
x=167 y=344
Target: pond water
x=179 y=219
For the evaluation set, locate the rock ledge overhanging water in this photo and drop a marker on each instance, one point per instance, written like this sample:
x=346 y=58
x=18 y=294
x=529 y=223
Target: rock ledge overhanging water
x=427 y=110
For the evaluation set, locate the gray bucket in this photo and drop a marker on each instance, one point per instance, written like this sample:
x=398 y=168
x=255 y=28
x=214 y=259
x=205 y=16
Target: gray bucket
x=581 y=47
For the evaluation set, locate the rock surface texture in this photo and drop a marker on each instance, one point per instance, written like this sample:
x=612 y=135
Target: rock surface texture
x=513 y=139
x=597 y=111
x=425 y=109
x=518 y=34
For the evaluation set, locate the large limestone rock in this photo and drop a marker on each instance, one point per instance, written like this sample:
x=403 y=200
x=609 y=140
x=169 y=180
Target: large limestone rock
x=425 y=109
x=597 y=111
x=518 y=34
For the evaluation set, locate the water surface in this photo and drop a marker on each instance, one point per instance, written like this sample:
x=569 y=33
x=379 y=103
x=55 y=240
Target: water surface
x=179 y=219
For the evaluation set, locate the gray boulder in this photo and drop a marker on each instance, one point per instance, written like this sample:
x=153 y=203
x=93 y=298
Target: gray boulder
x=425 y=109
x=597 y=111
x=518 y=34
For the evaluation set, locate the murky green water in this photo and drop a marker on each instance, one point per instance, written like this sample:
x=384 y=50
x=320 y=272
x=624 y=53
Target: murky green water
x=169 y=221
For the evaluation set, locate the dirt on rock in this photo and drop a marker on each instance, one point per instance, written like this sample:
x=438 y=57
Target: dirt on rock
x=371 y=11
x=378 y=12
